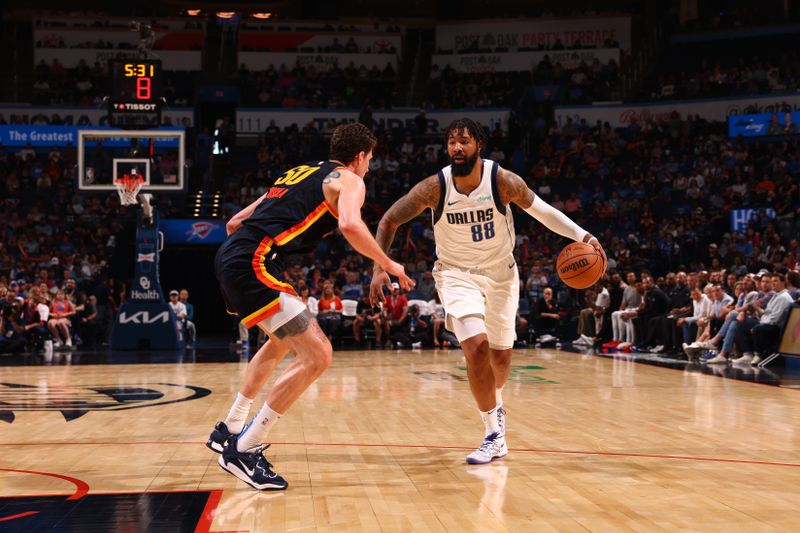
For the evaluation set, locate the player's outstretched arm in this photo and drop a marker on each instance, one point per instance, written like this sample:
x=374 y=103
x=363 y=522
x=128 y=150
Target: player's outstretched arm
x=351 y=198
x=236 y=222
x=513 y=189
x=424 y=195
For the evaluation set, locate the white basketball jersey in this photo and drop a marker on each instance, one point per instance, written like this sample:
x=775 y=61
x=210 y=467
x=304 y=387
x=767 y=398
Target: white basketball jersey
x=475 y=230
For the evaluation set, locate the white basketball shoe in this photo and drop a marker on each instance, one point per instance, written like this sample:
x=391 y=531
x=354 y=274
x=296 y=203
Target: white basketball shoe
x=493 y=447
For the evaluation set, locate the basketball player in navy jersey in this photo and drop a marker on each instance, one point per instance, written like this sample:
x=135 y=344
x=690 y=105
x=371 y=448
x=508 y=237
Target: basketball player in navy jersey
x=303 y=205
x=475 y=272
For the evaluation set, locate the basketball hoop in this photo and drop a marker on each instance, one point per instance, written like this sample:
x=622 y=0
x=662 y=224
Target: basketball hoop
x=128 y=187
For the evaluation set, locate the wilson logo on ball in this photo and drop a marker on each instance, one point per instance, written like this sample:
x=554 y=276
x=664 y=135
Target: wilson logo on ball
x=577 y=265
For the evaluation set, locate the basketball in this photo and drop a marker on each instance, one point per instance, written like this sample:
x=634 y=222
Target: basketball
x=579 y=265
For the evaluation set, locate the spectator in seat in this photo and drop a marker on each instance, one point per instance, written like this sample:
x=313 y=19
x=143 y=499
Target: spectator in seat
x=759 y=336
x=59 y=323
x=655 y=304
x=365 y=314
x=311 y=302
x=426 y=288
x=330 y=311
x=680 y=304
x=12 y=337
x=179 y=309
x=35 y=316
x=590 y=319
x=622 y=319
x=547 y=314
x=395 y=310
x=701 y=306
x=191 y=331
x=89 y=325
x=352 y=289
x=413 y=329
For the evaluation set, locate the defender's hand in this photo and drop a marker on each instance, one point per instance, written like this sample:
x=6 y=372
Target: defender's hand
x=380 y=279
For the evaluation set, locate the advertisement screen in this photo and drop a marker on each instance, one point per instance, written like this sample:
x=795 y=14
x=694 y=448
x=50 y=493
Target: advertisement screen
x=763 y=124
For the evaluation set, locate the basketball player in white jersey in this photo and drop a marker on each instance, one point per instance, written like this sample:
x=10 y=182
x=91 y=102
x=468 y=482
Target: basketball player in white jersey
x=475 y=272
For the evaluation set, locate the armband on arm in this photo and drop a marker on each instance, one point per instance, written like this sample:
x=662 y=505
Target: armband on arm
x=557 y=221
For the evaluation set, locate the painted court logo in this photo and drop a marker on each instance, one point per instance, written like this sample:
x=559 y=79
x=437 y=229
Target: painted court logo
x=75 y=401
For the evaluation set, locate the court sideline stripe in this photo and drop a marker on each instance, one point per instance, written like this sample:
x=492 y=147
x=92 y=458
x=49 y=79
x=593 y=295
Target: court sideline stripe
x=433 y=447
x=210 y=509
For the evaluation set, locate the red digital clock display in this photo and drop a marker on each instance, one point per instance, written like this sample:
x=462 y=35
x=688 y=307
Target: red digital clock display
x=135 y=99
x=135 y=80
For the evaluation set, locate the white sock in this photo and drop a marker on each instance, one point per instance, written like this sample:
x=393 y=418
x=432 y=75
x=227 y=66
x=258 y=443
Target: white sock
x=498 y=396
x=237 y=416
x=490 y=422
x=257 y=430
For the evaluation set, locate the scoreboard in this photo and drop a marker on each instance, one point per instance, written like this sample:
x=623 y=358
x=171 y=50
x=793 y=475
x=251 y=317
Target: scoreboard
x=135 y=100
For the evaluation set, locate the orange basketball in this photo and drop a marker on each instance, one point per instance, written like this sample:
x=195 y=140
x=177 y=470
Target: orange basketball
x=579 y=265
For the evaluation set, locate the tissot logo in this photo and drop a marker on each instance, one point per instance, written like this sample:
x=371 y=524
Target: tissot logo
x=74 y=402
x=143 y=317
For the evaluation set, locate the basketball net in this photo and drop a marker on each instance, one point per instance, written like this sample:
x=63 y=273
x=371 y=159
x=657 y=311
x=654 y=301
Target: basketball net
x=128 y=187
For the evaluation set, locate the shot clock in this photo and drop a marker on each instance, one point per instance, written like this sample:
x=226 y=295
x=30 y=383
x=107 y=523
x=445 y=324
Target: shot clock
x=135 y=101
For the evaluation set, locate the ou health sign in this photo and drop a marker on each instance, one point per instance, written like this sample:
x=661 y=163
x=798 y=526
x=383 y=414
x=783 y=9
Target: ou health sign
x=740 y=217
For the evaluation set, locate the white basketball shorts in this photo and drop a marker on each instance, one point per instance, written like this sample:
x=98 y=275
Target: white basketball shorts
x=491 y=292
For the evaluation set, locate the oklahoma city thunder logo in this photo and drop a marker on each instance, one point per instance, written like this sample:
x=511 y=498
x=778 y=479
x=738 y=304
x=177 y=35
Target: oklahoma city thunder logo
x=74 y=402
x=201 y=230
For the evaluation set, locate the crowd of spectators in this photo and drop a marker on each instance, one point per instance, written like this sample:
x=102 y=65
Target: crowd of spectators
x=707 y=314
x=744 y=76
x=585 y=83
x=477 y=47
x=350 y=46
x=315 y=86
x=657 y=194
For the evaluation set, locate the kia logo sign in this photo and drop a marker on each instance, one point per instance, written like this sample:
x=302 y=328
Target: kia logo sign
x=143 y=317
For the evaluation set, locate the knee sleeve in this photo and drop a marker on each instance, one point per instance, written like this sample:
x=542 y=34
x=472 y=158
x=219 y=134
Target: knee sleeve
x=295 y=326
x=468 y=326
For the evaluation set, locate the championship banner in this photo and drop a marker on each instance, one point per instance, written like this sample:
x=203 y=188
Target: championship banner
x=619 y=115
x=532 y=33
x=71 y=58
x=321 y=62
x=278 y=41
x=79 y=116
x=523 y=61
x=256 y=120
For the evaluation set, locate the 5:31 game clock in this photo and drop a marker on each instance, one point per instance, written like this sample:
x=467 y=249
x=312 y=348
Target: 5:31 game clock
x=135 y=93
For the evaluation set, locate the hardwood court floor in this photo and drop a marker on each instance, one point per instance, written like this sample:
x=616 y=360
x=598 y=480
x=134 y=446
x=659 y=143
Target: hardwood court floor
x=378 y=444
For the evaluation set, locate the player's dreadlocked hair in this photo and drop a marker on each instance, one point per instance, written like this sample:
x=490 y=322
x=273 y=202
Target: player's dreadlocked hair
x=475 y=130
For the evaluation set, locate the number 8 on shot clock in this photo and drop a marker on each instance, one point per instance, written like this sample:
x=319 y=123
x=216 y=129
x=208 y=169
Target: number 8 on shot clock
x=135 y=100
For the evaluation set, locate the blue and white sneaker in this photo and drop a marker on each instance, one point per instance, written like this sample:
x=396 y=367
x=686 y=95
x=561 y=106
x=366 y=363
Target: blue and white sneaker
x=219 y=437
x=251 y=467
x=493 y=447
x=711 y=354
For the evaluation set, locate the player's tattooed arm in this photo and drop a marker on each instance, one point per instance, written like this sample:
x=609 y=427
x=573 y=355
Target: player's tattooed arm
x=513 y=189
x=334 y=174
x=424 y=195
